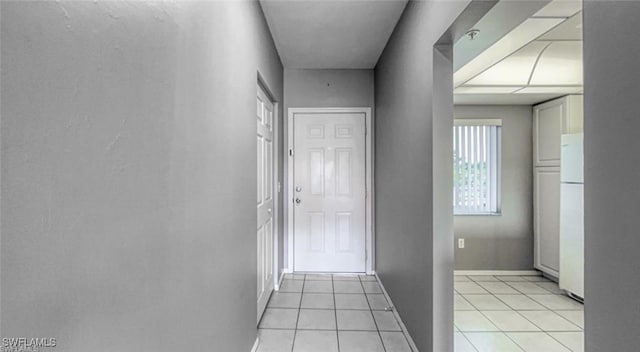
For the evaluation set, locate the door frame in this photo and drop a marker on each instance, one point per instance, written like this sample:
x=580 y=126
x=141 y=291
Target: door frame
x=369 y=193
x=262 y=84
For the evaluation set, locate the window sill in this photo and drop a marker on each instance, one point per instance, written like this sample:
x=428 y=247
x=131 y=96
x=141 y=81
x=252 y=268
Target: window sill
x=477 y=214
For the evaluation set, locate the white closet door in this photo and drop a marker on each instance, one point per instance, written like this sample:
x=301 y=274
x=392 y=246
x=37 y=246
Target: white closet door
x=265 y=199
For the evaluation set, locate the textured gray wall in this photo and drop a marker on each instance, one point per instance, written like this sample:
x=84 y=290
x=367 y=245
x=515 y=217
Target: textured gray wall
x=414 y=254
x=324 y=89
x=328 y=88
x=612 y=171
x=503 y=242
x=128 y=173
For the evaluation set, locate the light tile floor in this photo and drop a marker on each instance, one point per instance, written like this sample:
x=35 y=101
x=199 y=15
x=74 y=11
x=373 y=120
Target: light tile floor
x=515 y=313
x=330 y=313
x=346 y=313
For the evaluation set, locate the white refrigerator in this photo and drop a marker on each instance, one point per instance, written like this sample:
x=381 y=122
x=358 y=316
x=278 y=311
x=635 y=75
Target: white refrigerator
x=572 y=214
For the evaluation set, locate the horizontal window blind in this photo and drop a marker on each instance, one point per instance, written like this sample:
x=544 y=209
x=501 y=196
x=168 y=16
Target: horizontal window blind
x=476 y=167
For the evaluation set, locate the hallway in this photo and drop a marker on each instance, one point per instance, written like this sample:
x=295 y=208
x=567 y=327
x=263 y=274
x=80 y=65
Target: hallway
x=330 y=313
x=128 y=180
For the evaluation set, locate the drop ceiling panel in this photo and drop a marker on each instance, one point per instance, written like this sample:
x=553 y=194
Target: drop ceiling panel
x=501 y=99
x=560 y=8
x=560 y=64
x=513 y=70
x=500 y=20
x=487 y=90
x=522 y=35
x=550 y=90
x=571 y=29
x=534 y=62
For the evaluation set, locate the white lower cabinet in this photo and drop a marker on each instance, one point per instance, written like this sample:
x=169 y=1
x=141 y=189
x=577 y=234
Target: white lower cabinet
x=546 y=222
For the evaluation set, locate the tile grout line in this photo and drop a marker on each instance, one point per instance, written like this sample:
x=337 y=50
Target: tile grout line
x=405 y=332
x=515 y=342
x=371 y=312
x=547 y=309
x=520 y=293
x=304 y=285
x=335 y=310
x=494 y=296
x=494 y=331
x=520 y=314
x=525 y=318
x=560 y=342
x=466 y=338
x=500 y=330
x=295 y=330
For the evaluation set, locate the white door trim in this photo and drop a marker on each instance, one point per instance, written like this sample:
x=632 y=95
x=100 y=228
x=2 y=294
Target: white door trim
x=276 y=192
x=288 y=199
x=276 y=182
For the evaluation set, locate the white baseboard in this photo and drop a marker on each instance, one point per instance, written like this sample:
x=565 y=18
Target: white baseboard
x=412 y=344
x=499 y=272
x=255 y=345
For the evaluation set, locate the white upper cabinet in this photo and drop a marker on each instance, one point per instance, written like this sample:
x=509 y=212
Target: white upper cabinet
x=550 y=121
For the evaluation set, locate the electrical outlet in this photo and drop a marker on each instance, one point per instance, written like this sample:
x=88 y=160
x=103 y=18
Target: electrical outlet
x=460 y=242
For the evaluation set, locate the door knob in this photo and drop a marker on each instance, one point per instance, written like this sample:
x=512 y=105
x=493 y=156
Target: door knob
x=298 y=189
x=269 y=210
x=298 y=200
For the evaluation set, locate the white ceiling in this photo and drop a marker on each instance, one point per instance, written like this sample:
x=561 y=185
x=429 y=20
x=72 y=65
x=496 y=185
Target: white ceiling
x=338 y=34
x=503 y=18
x=539 y=59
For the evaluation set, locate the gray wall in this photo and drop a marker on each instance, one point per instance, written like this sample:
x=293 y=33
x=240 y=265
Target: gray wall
x=503 y=242
x=323 y=88
x=414 y=254
x=328 y=88
x=612 y=171
x=442 y=227
x=128 y=173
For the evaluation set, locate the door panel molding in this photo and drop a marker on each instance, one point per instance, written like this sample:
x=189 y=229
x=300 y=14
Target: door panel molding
x=290 y=192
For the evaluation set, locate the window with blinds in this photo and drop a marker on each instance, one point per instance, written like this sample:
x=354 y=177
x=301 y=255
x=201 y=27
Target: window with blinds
x=476 y=166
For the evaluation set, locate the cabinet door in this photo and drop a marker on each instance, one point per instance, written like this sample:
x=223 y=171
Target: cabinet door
x=547 y=219
x=548 y=125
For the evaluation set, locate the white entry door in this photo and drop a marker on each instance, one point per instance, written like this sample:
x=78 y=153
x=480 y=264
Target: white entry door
x=329 y=192
x=265 y=200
